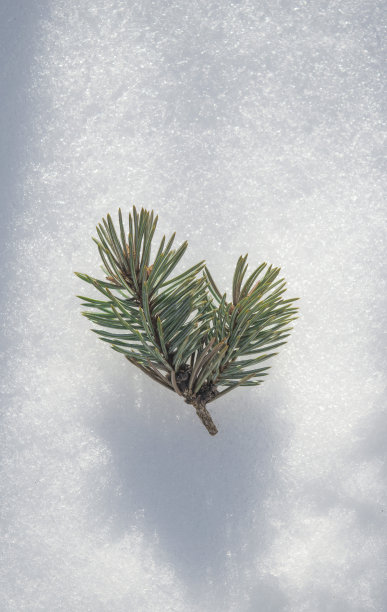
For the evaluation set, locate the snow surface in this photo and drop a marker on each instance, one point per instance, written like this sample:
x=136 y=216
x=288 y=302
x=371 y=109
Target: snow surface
x=248 y=126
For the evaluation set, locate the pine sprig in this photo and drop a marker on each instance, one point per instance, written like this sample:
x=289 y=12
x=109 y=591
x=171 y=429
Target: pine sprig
x=181 y=331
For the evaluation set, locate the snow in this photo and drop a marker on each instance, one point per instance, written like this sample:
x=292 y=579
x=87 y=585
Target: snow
x=248 y=127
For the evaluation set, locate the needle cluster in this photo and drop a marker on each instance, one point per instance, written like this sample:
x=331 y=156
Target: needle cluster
x=180 y=330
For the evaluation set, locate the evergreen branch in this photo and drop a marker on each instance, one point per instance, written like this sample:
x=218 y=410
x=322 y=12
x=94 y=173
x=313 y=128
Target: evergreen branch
x=181 y=331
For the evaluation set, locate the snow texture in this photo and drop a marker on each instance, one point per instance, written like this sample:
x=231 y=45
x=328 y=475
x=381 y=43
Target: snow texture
x=247 y=126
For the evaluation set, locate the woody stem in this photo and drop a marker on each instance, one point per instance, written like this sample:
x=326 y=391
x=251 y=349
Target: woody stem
x=205 y=416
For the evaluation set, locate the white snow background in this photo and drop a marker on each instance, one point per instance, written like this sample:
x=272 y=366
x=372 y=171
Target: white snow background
x=248 y=126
